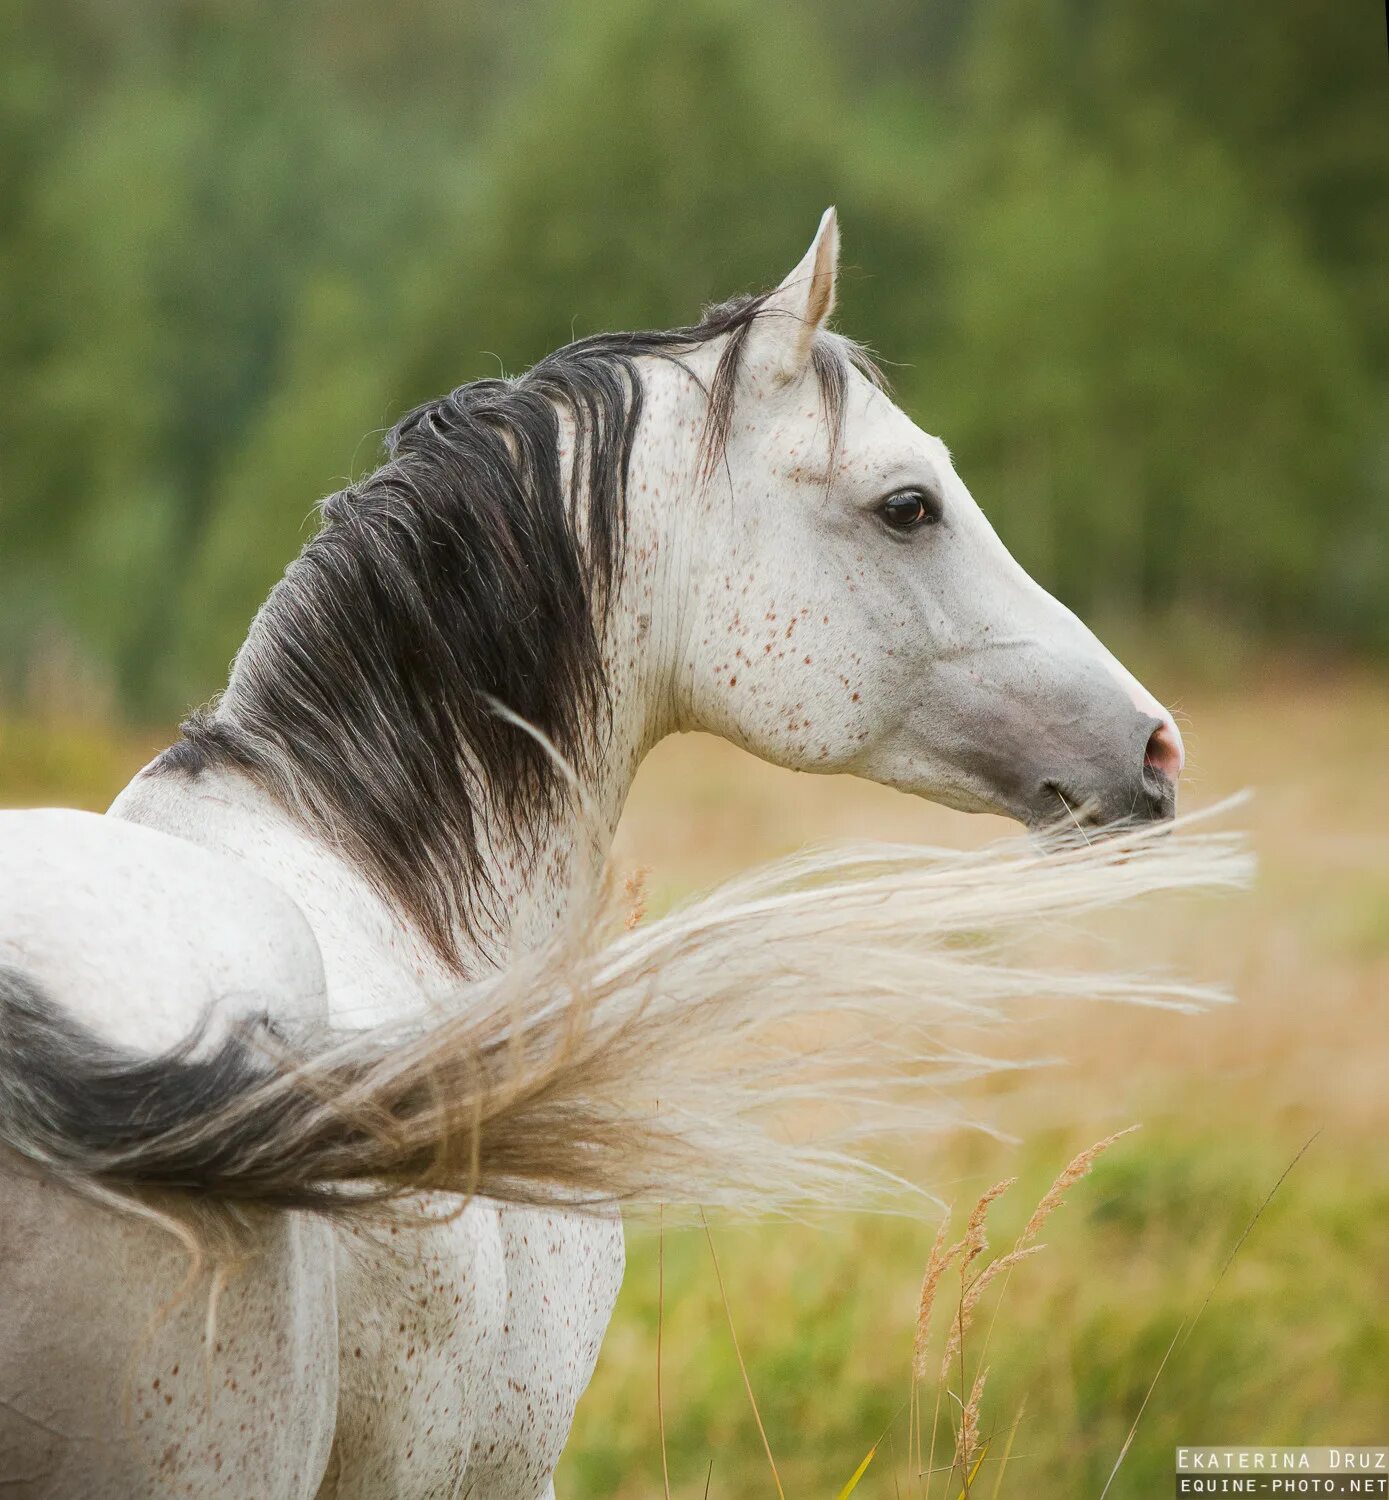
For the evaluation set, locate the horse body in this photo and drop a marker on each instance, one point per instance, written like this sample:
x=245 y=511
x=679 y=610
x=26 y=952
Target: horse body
x=780 y=587
x=462 y=1348
x=362 y=1362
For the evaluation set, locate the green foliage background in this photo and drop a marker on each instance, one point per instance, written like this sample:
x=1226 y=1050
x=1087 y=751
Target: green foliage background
x=1128 y=259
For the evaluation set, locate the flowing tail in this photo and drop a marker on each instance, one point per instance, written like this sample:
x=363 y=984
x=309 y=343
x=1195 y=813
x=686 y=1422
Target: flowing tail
x=741 y=1052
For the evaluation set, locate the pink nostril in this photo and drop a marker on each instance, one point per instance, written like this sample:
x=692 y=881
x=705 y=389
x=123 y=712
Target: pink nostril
x=1165 y=752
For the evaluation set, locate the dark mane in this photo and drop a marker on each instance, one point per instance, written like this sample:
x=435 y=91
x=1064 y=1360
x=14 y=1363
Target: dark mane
x=464 y=574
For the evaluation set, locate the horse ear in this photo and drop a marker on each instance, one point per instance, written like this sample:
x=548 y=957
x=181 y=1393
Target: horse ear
x=800 y=307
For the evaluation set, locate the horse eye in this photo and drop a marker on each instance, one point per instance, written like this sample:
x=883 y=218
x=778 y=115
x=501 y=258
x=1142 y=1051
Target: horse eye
x=908 y=509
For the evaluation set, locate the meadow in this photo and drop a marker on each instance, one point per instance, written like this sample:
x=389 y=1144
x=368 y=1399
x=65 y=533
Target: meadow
x=1128 y=259
x=1292 y=1345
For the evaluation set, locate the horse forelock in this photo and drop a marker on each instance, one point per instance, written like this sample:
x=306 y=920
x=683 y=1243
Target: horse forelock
x=473 y=569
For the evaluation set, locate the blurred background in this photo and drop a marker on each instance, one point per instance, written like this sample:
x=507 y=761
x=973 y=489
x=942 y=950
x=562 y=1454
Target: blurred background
x=1129 y=260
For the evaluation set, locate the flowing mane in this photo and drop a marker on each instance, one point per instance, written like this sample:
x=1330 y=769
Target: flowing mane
x=467 y=573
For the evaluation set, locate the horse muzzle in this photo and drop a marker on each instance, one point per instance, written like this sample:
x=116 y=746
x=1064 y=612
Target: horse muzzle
x=1127 y=774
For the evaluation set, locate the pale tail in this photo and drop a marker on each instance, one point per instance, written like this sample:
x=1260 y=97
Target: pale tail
x=741 y=1052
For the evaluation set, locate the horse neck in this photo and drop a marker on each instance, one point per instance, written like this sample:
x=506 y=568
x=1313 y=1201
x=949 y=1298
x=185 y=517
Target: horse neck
x=369 y=949
x=641 y=648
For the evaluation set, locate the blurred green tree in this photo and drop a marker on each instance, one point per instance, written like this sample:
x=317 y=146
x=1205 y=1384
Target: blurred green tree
x=1151 y=387
x=701 y=171
x=1127 y=259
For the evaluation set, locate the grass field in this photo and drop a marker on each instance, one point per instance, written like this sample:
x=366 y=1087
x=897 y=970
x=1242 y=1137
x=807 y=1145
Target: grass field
x=1293 y=1346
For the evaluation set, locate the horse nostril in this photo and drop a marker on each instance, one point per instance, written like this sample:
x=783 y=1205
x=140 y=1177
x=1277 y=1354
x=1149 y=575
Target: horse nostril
x=1164 y=752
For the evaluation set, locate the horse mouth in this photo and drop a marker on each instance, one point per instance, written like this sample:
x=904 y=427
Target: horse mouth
x=1061 y=809
x=1061 y=812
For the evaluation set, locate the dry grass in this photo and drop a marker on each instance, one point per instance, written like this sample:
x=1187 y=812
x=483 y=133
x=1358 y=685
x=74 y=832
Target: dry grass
x=958 y=1399
x=973 y=1284
x=1308 y=952
x=1293 y=1344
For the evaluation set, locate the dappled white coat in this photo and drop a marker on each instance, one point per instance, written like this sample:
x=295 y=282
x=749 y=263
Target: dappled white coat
x=771 y=603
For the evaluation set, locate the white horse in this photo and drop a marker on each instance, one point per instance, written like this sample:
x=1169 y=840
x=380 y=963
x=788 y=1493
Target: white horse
x=374 y=840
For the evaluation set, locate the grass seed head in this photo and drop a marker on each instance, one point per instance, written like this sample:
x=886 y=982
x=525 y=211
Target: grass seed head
x=936 y=1266
x=1055 y=1195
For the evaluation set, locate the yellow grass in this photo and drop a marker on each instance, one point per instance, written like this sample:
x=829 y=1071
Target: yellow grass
x=1307 y=952
x=1293 y=1345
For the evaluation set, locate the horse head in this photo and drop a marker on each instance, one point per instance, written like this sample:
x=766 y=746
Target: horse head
x=849 y=608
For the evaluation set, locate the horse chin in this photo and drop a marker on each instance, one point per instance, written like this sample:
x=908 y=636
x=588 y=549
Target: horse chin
x=1060 y=815
x=1057 y=811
